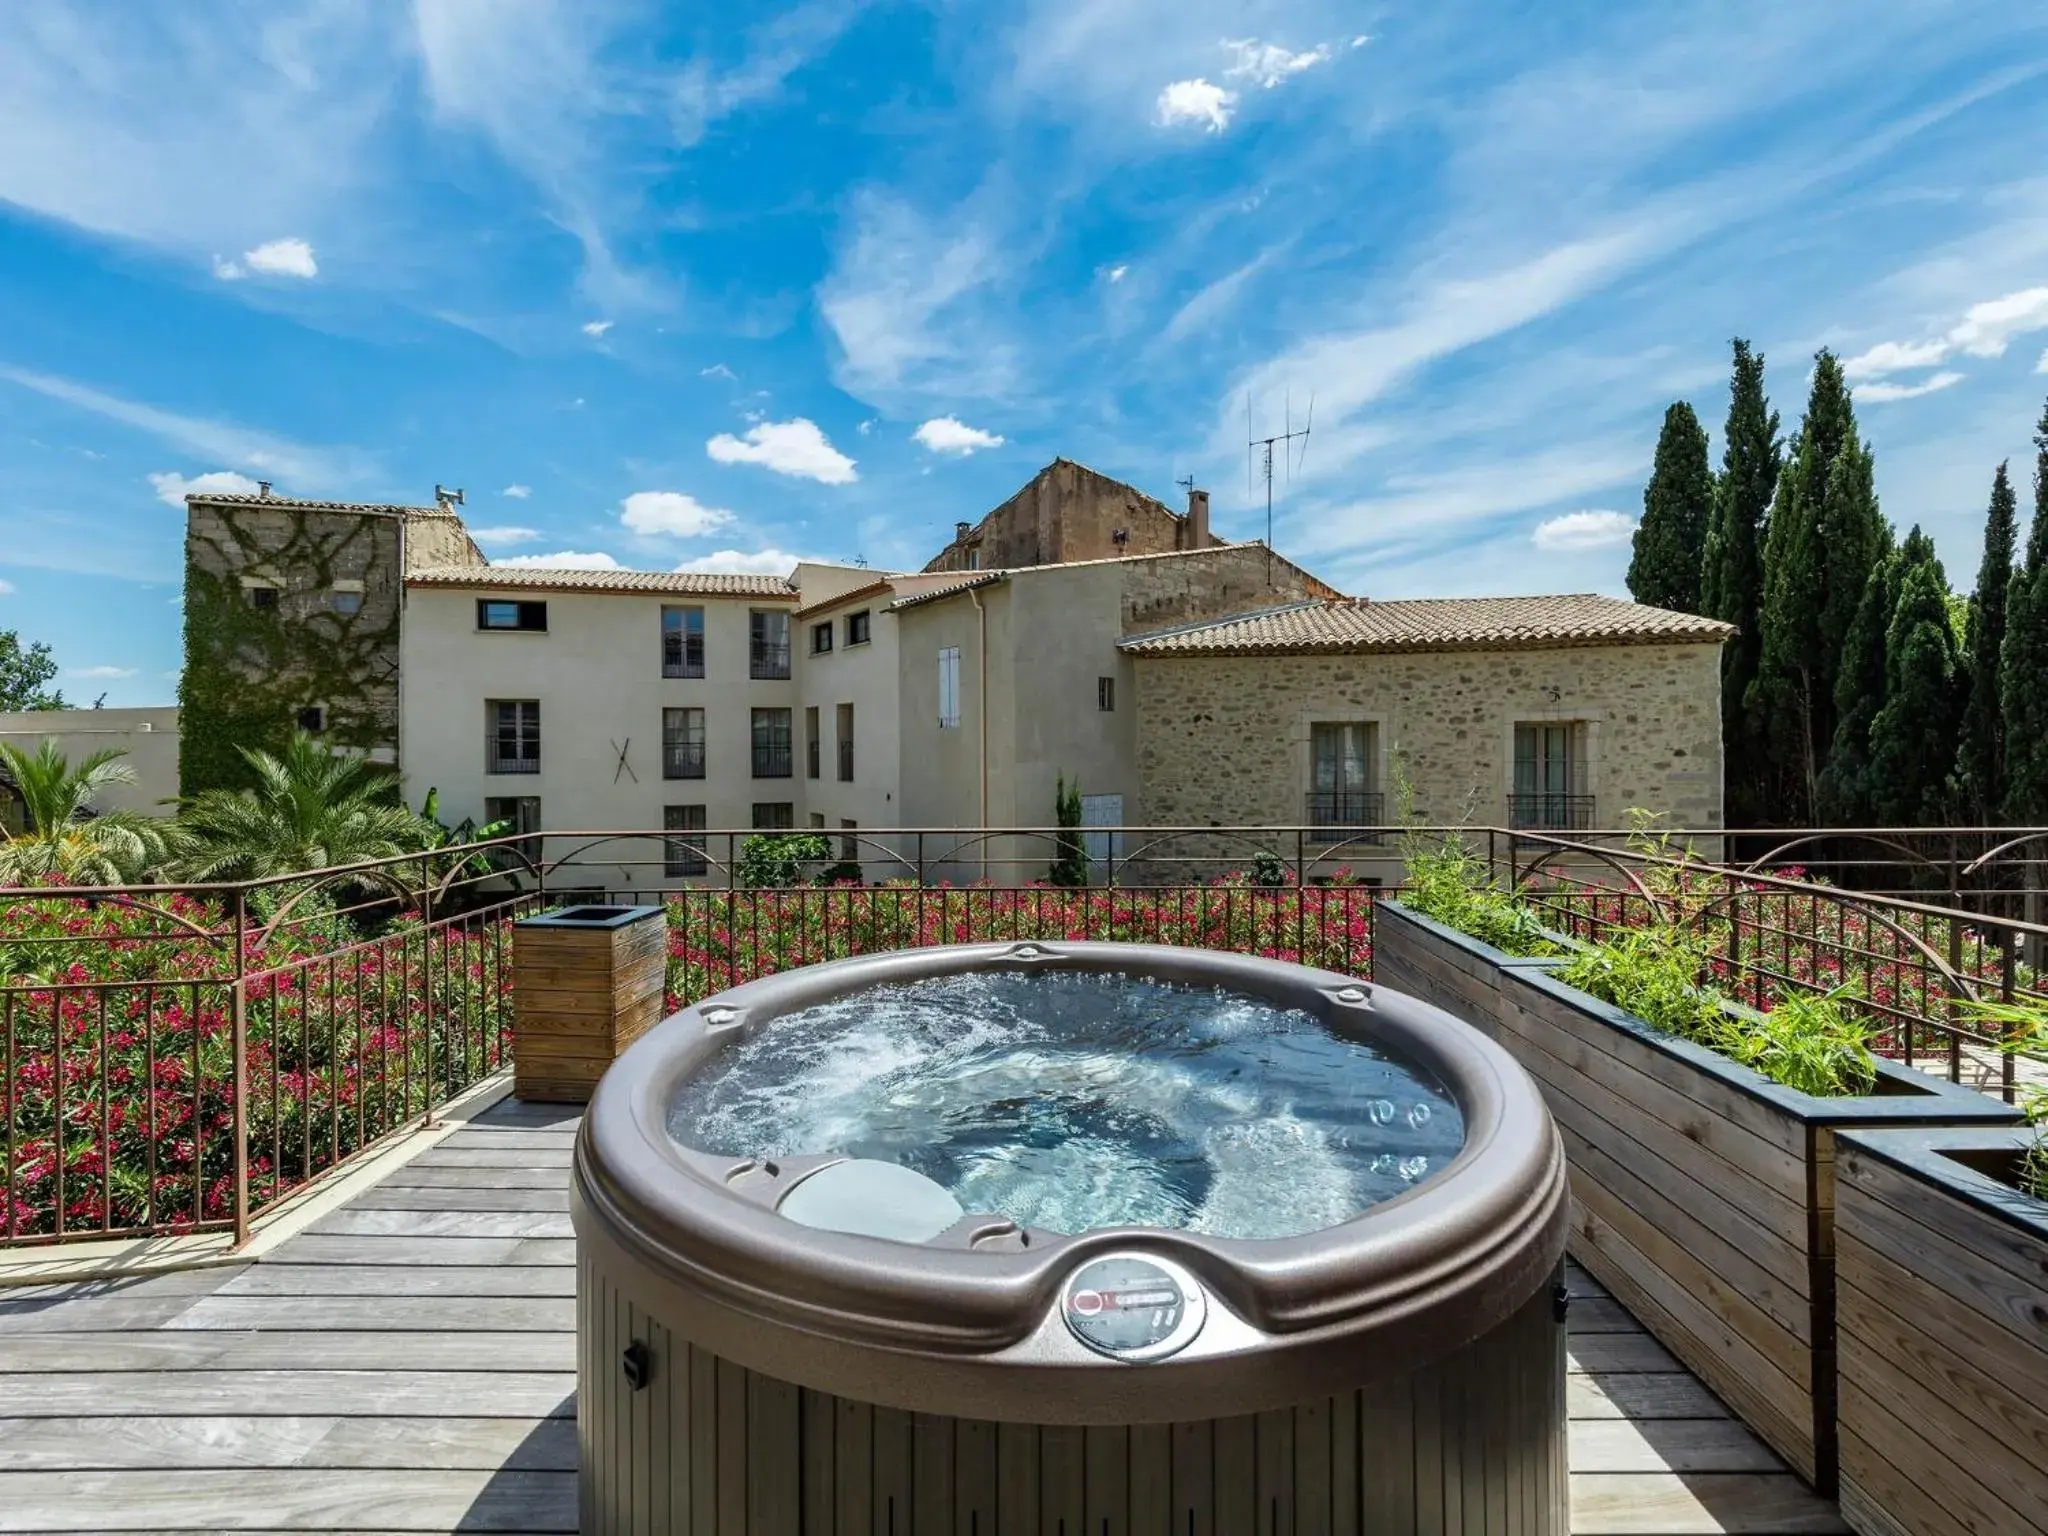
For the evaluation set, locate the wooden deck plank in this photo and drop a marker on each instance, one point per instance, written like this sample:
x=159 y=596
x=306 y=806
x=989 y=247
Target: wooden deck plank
x=168 y=1499
x=466 y=1252
x=407 y=1280
x=351 y=1221
x=395 y=1311
x=416 y=1197
x=358 y=1394
x=1668 y=1445
x=286 y=1440
x=1670 y=1504
x=1628 y=1395
x=285 y=1350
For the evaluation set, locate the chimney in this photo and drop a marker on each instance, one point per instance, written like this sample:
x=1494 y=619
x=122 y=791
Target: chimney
x=960 y=533
x=1198 y=519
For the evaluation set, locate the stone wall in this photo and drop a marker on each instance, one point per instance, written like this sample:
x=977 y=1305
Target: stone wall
x=1211 y=584
x=437 y=538
x=1067 y=512
x=250 y=670
x=1225 y=740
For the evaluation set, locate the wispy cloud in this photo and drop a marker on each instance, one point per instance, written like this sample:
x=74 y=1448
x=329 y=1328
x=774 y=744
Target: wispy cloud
x=273 y=258
x=739 y=562
x=504 y=535
x=203 y=439
x=670 y=513
x=596 y=327
x=1879 y=393
x=1584 y=530
x=703 y=95
x=1196 y=101
x=949 y=434
x=172 y=489
x=1267 y=64
x=564 y=560
x=718 y=371
x=6 y=588
x=517 y=492
x=796 y=448
x=100 y=674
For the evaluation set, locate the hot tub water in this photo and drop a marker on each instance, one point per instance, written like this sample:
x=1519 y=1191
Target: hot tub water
x=1069 y=1100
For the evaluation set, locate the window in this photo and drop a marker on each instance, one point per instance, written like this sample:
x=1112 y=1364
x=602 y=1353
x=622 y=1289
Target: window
x=774 y=816
x=522 y=814
x=502 y=613
x=818 y=820
x=1550 y=777
x=1102 y=811
x=844 y=722
x=512 y=736
x=974 y=559
x=811 y=742
x=345 y=601
x=682 y=857
x=949 y=688
x=771 y=744
x=767 y=643
x=313 y=719
x=1342 y=798
x=1105 y=693
x=849 y=845
x=821 y=638
x=857 y=628
x=262 y=597
x=682 y=743
x=682 y=642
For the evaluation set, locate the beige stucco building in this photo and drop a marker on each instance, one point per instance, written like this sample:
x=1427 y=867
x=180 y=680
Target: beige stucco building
x=146 y=738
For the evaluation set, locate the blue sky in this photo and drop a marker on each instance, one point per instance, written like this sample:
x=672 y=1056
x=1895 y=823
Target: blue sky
x=724 y=286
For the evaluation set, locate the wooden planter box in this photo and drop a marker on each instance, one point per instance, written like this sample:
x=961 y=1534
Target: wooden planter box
x=1941 y=1287
x=1420 y=956
x=587 y=981
x=1704 y=1194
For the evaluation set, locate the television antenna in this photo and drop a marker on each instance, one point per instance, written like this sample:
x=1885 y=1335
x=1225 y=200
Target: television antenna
x=1259 y=458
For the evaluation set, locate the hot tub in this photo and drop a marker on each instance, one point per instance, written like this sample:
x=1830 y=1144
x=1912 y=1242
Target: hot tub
x=1074 y=1239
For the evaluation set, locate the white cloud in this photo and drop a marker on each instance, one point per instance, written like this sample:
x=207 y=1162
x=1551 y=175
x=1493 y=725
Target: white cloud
x=794 y=447
x=1985 y=328
x=504 y=535
x=1878 y=394
x=6 y=588
x=101 y=672
x=283 y=258
x=949 y=434
x=717 y=371
x=596 y=327
x=202 y=439
x=1117 y=273
x=1267 y=64
x=172 y=489
x=867 y=426
x=2042 y=366
x=1584 y=530
x=563 y=560
x=735 y=562
x=1195 y=101
x=517 y=492
x=671 y=513
x=1893 y=356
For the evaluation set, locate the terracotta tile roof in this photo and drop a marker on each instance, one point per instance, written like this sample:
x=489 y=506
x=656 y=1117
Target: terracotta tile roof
x=964 y=580
x=299 y=503
x=537 y=578
x=1359 y=625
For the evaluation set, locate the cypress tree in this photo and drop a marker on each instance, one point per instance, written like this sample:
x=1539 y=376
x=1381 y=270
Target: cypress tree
x=1845 y=785
x=1912 y=782
x=1826 y=534
x=1731 y=577
x=1670 y=542
x=1980 y=761
x=2023 y=662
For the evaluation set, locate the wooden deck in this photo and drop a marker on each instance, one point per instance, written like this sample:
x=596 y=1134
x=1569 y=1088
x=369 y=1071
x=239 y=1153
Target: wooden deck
x=407 y=1364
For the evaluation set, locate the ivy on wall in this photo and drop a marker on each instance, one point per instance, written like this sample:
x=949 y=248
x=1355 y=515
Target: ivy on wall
x=249 y=670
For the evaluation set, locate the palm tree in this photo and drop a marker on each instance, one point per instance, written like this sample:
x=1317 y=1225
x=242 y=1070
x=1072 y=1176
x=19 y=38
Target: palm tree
x=63 y=837
x=309 y=810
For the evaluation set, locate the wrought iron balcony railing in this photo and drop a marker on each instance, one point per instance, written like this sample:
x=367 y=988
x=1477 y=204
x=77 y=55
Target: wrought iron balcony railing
x=1551 y=813
x=682 y=759
x=1345 y=815
x=771 y=762
x=504 y=755
x=767 y=660
x=846 y=762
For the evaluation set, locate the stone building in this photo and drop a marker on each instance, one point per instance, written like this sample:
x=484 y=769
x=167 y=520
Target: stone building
x=1068 y=512
x=1550 y=713
x=292 y=615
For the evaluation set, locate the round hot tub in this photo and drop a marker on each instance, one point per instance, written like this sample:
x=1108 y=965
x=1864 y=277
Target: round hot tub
x=1082 y=1239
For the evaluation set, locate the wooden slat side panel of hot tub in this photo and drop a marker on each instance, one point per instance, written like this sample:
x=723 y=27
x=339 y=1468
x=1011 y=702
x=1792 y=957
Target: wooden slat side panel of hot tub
x=1944 y=1357
x=705 y=1448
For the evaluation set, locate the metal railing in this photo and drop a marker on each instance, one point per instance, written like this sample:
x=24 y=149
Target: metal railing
x=682 y=759
x=767 y=660
x=845 y=761
x=177 y=1058
x=811 y=758
x=1552 y=813
x=772 y=762
x=503 y=756
x=1346 y=814
x=679 y=660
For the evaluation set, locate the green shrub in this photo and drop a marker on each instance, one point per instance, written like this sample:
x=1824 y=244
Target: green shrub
x=1808 y=1042
x=776 y=860
x=2023 y=1030
x=1450 y=884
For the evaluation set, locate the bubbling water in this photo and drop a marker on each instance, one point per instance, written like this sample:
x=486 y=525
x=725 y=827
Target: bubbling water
x=1067 y=1101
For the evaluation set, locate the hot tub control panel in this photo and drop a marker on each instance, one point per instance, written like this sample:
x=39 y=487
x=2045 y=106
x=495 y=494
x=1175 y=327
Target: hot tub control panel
x=1133 y=1307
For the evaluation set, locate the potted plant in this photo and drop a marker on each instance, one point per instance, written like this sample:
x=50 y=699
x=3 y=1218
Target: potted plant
x=1941 y=1283
x=1701 y=1137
